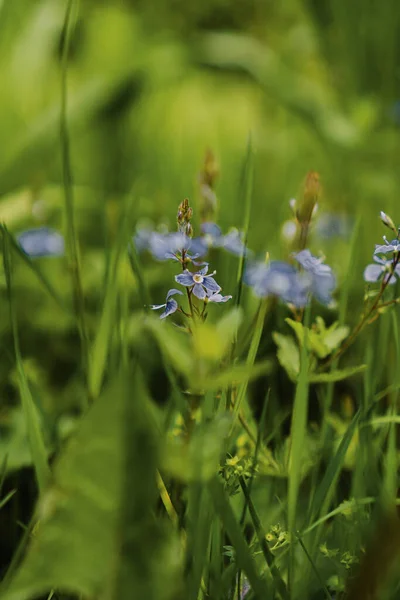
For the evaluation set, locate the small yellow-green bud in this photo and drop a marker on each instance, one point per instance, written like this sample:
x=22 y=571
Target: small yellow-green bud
x=311 y=195
x=386 y=220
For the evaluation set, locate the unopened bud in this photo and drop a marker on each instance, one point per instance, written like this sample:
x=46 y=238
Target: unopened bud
x=184 y=214
x=386 y=220
x=311 y=194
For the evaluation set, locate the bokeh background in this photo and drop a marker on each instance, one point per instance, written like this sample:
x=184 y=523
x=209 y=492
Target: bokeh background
x=151 y=85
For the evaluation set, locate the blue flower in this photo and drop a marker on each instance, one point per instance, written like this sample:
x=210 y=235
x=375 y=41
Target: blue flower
x=41 y=241
x=232 y=241
x=170 y=305
x=322 y=281
x=216 y=297
x=164 y=246
x=383 y=268
x=272 y=279
x=202 y=285
x=393 y=246
x=330 y=225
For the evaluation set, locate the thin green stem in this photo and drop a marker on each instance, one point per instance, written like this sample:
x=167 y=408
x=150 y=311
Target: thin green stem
x=72 y=237
x=365 y=318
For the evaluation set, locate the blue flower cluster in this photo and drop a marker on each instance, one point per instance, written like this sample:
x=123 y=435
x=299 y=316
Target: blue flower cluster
x=184 y=249
x=386 y=257
x=293 y=286
x=165 y=246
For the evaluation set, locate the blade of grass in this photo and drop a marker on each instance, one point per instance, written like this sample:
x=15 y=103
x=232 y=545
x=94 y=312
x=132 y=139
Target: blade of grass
x=72 y=236
x=199 y=518
x=245 y=198
x=35 y=435
x=137 y=272
x=36 y=271
x=269 y=557
x=243 y=554
x=105 y=330
x=314 y=568
x=251 y=357
x=298 y=435
x=390 y=461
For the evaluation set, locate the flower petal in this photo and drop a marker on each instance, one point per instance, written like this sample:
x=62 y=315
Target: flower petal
x=157 y=306
x=173 y=292
x=233 y=242
x=185 y=278
x=199 y=291
x=211 y=229
x=218 y=298
x=323 y=286
x=372 y=273
x=198 y=246
x=210 y=284
x=204 y=270
x=170 y=308
x=383 y=249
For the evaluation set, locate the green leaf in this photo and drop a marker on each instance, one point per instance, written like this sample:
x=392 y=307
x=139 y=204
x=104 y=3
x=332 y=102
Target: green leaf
x=335 y=335
x=288 y=354
x=199 y=459
x=337 y=375
x=33 y=424
x=237 y=375
x=244 y=557
x=95 y=527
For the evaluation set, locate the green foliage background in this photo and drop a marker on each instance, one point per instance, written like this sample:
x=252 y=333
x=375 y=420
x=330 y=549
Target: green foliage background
x=151 y=86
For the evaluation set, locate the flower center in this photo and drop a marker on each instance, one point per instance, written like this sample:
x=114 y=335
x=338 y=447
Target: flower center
x=198 y=278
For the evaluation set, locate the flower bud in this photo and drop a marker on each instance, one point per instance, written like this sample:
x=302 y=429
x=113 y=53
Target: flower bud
x=386 y=220
x=183 y=217
x=311 y=194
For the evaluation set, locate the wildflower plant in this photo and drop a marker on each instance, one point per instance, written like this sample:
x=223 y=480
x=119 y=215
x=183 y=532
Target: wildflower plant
x=182 y=248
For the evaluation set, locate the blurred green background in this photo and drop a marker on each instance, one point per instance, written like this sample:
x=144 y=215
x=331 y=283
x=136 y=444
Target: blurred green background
x=151 y=86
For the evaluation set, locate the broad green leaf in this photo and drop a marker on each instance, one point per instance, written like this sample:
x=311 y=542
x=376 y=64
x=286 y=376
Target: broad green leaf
x=198 y=459
x=335 y=335
x=95 y=530
x=288 y=354
x=174 y=344
x=237 y=375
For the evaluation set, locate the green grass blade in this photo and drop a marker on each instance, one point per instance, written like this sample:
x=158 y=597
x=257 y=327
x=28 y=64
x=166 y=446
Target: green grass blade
x=269 y=557
x=73 y=254
x=298 y=436
x=245 y=198
x=101 y=345
x=243 y=555
x=36 y=271
x=35 y=435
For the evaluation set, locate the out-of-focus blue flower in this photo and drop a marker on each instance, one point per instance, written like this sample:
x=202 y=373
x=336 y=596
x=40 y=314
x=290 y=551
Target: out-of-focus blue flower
x=216 y=297
x=170 y=305
x=329 y=225
x=273 y=279
x=322 y=281
x=41 y=241
x=202 y=284
x=165 y=246
x=387 y=247
x=232 y=241
x=383 y=268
